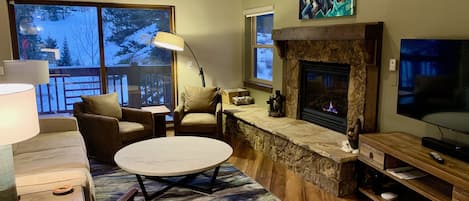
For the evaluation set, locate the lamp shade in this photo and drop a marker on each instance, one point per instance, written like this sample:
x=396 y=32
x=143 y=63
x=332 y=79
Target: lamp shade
x=25 y=71
x=169 y=41
x=18 y=113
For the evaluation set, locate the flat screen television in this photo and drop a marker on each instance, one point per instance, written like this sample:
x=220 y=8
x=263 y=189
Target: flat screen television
x=434 y=82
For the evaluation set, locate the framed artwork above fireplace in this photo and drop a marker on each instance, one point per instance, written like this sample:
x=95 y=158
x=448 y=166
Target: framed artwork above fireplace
x=317 y=9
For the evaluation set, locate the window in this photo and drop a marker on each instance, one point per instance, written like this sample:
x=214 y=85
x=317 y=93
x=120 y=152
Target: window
x=259 y=51
x=95 y=48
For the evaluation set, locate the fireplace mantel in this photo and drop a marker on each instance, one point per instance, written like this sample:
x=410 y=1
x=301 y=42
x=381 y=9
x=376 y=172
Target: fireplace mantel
x=370 y=33
x=358 y=45
x=357 y=31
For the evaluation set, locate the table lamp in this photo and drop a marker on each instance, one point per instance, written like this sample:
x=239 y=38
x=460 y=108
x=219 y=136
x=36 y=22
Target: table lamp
x=18 y=122
x=174 y=42
x=25 y=71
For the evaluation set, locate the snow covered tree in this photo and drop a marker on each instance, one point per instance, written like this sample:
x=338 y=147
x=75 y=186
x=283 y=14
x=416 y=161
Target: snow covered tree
x=50 y=42
x=124 y=23
x=56 y=13
x=65 y=58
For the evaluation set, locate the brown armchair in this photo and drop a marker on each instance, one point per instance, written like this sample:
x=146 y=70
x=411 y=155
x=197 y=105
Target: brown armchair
x=105 y=134
x=199 y=113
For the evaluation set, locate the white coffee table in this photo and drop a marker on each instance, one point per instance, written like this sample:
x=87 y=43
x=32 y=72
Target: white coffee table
x=173 y=157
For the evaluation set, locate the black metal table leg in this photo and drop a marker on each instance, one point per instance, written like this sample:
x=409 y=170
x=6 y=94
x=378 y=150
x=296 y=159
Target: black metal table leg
x=214 y=177
x=182 y=183
x=144 y=191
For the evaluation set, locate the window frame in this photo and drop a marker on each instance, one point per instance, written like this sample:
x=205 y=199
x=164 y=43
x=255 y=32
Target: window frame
x=251 y=45
x=99 y=6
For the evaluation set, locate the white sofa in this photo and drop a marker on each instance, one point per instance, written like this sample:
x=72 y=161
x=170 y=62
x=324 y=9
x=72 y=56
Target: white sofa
x=53 y=158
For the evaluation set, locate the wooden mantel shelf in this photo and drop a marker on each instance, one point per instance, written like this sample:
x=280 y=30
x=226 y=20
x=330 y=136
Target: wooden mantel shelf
x=356 y=31
x=370 y=33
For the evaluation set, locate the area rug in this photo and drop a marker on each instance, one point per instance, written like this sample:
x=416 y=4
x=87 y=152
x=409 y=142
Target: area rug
x=111 y=182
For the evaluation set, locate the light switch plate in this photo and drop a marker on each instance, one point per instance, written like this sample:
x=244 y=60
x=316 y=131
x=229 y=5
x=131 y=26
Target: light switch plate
x=2 y=72
x=392 y=65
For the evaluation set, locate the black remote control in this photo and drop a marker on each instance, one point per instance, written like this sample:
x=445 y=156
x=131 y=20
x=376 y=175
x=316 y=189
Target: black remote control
x=437 y=157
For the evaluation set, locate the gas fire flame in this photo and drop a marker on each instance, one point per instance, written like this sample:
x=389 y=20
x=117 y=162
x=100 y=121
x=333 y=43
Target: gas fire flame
x=330 y=108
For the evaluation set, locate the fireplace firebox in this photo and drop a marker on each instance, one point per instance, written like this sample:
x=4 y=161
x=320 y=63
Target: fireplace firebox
x=323 y=94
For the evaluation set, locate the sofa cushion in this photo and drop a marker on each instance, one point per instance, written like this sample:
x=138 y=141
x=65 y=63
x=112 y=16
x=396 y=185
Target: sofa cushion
x=50 y=159
x=198 y=122
x=199 y=99
x=46 y=141
x=106 y=105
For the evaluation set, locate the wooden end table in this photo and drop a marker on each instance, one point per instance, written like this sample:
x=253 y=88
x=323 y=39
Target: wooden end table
x=161 y=158
x=76 y=195
x=159 y=119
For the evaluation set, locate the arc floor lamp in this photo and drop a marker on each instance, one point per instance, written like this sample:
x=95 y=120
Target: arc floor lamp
x=174 y=42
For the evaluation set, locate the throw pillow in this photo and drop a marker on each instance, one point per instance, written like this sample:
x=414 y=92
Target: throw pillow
x=199 y=99
x=106 y=105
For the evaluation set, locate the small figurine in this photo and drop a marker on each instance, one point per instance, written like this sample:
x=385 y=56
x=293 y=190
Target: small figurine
x=353 y=132
x=276 y=107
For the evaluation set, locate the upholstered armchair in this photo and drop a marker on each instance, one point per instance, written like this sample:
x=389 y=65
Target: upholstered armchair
x=107 y=127
x=199 y=113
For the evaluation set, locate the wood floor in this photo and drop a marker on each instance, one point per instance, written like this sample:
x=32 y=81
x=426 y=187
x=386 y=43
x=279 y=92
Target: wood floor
x=274 y=176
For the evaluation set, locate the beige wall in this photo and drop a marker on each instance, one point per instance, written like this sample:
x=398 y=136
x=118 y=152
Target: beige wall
x=5 y=44
x=402 y=19
x=211 y=27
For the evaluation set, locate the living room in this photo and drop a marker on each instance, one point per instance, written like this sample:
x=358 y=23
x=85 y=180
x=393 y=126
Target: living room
x=215 y=30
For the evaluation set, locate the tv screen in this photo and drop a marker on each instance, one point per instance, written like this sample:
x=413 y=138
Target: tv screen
x=434 y=82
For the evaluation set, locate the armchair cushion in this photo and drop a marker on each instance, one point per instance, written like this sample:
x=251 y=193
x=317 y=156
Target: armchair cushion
x=198 y=122
x=106 y=105
x=127 y=127
x=198 y=99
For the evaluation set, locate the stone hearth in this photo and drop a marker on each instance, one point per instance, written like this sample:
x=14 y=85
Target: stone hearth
x=358 y=45
x=307 y=149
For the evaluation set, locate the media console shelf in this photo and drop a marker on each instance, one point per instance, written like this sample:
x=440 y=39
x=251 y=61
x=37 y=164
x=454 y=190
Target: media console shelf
x=446 y=182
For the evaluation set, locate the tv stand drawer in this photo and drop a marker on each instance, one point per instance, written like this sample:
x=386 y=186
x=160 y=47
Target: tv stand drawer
x=371 y=155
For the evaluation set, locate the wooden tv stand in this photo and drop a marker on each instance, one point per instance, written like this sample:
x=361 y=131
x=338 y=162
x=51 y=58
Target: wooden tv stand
x=448 y=181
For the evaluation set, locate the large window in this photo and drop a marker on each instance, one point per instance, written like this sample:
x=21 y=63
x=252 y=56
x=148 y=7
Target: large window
x=94 y=49
x=259 y=54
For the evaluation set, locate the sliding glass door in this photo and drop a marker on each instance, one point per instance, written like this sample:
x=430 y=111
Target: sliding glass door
x=94 y=49
x=131 y=60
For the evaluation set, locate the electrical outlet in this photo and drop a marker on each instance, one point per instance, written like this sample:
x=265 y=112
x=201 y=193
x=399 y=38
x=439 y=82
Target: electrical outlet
x=392 y=65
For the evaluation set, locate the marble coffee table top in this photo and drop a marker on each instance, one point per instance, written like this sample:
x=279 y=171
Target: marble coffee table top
x=172 y=156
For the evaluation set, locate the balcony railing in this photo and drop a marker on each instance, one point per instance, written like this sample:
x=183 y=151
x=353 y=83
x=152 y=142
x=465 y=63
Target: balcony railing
x=136 y=87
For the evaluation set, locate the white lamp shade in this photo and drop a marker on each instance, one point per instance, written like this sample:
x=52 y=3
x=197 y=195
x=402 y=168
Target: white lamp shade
x=25 y=71
x=18 y=113
x=169 y=41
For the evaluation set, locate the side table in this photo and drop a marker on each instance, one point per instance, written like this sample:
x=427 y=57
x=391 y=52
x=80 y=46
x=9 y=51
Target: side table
x=159 y=119
x=76 y=195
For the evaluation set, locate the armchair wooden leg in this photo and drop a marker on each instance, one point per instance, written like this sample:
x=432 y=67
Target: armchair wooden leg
x=129 y=195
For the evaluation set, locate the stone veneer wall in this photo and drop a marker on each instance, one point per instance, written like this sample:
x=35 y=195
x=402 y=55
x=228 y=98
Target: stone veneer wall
x=352 y=52
x=307 y=149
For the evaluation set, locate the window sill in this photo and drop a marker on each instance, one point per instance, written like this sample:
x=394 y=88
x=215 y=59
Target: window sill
x=258 y=85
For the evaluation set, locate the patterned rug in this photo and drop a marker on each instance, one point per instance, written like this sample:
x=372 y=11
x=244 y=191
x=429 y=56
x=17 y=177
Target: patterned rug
x=111 y=182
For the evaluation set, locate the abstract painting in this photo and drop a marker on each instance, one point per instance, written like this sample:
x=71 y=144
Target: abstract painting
x=317 y=9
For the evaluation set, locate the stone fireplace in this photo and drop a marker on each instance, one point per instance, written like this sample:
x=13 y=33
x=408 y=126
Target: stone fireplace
x=331 y=70
x=357 y=46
